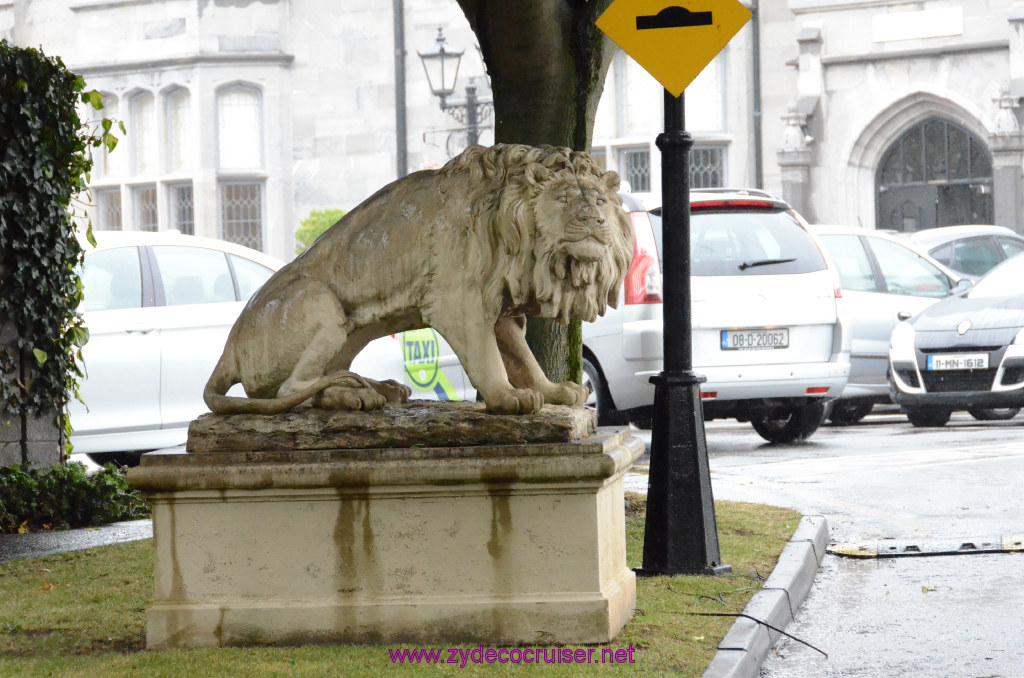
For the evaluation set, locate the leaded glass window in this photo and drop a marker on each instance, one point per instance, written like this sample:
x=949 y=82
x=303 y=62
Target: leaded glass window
x=179 y=145
x=145 y=208
x=107 y=163
x=183 y=208
x=241 y=213
x=635 y=164
x=143 y=133
x=707 y=167
x=108 y=204
x=935 y=151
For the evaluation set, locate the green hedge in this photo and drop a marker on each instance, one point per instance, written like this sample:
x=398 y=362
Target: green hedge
x=65 y=496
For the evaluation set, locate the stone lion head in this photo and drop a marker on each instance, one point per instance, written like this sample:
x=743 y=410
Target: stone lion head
x=551 y=234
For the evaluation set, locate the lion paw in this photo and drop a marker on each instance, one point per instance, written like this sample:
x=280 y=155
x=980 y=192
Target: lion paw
x=393 y=391
x=567 y=393
x=344 y=398
x=516 y=401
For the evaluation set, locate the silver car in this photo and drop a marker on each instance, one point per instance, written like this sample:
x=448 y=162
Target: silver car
x=884 y=279
x=969 y=251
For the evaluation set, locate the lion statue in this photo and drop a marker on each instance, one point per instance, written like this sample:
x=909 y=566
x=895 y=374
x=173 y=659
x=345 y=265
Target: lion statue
x=470 y=249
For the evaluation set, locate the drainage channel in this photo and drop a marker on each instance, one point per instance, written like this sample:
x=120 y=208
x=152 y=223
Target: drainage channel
x=894 y=548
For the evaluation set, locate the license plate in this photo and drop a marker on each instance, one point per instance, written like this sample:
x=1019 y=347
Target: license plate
x=755 y=340
x=958 y=361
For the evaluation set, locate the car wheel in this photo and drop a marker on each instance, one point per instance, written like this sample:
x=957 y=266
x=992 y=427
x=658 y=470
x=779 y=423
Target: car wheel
x=797 y=423
x=928 y=416
x=600 y=398
x=130 y=459
x=846 y=412
x=993 y=413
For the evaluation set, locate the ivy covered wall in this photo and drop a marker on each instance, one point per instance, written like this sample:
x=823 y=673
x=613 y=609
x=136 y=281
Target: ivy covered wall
x=44 y=162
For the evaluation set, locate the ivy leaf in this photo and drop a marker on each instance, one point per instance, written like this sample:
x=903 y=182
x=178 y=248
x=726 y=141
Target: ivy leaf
x=80 y=335
x=95 y=98
x=110 y=141
x=120 y=124
x=40 y=355
x=107 y=123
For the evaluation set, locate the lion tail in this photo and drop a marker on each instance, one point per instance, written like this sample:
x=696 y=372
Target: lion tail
x=225 y=376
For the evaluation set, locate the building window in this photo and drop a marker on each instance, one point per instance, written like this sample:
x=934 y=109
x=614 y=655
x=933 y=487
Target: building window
x=599 y=158
x=108 y=206
x=144 y=198
x=179 y=145
x=143 y=133
x=239 y=119
x=635 y=165
x=106 y=164
x=707 y=167
x=182 y=209
x=241 y=213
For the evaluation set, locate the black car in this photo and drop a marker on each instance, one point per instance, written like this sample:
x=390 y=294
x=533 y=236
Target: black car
x=965 y=352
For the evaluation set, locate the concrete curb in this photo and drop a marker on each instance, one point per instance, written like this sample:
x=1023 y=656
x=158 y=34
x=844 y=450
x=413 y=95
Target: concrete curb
x=747 y=643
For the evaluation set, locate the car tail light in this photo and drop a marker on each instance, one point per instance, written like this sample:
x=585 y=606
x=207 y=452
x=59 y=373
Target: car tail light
x=643 y=279
x=816 y=390
x=708 y=395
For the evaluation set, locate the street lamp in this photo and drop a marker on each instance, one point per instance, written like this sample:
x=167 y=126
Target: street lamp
x=442 y=68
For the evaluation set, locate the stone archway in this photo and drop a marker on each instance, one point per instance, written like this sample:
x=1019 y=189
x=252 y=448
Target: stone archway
x=865 y=153
x=935 y=174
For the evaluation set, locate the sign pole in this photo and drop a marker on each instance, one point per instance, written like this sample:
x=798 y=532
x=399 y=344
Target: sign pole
x=680 y=533
x=674 y=43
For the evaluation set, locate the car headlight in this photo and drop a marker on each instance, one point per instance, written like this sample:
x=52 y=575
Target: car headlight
x=902 y=338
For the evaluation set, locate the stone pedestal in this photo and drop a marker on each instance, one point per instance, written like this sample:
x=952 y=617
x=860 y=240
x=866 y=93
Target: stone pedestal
x=482 y=542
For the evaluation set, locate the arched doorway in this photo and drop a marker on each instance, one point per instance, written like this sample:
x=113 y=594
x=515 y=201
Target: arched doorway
x=936 y=174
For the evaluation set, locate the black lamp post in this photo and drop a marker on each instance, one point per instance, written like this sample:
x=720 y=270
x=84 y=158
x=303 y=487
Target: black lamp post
x=442 y=68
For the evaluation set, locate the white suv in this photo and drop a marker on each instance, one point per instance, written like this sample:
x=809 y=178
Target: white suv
x=768 y=322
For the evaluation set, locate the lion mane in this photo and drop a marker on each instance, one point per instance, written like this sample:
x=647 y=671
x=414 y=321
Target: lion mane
x=471 y=249
x=522 y=255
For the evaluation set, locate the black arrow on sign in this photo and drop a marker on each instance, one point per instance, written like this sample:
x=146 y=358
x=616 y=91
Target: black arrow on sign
x=673 y=17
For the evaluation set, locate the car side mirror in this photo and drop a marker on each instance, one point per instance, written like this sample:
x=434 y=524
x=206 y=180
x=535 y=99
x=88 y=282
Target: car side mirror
x=903 y=315
x=961 y=287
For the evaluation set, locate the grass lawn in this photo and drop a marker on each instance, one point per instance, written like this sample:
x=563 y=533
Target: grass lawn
x=83 y=614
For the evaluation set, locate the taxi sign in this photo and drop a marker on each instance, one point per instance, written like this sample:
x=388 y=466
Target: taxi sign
x=673 y=42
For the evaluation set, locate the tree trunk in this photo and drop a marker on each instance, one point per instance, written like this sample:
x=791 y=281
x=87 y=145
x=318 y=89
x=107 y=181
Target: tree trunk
x=547 y=62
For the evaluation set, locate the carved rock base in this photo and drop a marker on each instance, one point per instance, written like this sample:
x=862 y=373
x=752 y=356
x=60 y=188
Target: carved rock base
x=496 y=544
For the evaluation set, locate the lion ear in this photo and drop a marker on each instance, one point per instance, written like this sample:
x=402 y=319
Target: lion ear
x=611 y=180
x=536 y=173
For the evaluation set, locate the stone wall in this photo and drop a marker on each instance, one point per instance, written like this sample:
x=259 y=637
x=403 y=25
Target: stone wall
x=26 y=439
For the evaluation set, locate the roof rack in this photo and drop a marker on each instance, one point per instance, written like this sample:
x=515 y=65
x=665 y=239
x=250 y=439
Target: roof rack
x=743 y=191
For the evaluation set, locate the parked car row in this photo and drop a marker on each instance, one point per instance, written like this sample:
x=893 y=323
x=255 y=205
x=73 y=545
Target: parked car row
x=791 y=324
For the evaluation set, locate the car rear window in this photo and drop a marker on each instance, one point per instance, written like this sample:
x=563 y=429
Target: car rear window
x=739 y=242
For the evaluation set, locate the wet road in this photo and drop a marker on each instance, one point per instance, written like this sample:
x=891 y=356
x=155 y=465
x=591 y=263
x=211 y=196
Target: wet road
x=936 y=616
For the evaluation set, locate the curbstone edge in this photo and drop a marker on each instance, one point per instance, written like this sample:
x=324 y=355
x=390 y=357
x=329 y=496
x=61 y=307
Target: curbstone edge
x=747 y=644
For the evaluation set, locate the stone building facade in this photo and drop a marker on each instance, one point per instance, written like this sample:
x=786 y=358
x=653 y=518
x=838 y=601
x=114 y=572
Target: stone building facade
x=896 y=115
x=244 y=115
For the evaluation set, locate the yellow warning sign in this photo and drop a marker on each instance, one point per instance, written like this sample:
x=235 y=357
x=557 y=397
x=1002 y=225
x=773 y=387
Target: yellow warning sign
x=673 y=42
